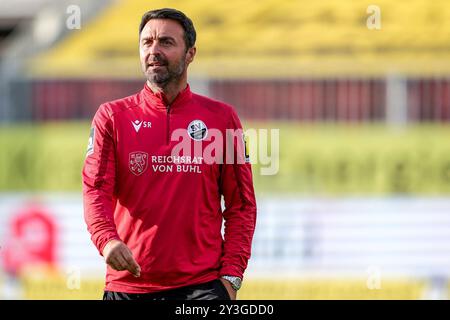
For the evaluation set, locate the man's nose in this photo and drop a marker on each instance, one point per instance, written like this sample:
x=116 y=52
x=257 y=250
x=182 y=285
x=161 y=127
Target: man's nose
x=155 y=48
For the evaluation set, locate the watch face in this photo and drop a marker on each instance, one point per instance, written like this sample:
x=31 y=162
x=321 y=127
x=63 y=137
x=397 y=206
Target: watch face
x=237 y=285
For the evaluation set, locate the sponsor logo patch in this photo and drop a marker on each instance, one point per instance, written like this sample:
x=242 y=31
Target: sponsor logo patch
x=138 y=162
x=138 y=124
x=246 y=153
x=197 y=130
x=90 y=147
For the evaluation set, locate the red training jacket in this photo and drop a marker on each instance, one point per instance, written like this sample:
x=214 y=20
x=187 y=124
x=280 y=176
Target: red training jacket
x=166 y=208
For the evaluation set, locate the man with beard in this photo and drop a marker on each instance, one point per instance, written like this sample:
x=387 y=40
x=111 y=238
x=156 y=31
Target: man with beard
x=159 y=229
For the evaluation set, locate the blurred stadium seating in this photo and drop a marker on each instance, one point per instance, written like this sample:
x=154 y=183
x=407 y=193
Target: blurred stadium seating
x=329 y=38
x=363 y=118
x=327 y=64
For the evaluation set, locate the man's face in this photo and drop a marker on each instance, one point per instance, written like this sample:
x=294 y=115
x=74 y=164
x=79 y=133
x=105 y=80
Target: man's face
x=163 y=51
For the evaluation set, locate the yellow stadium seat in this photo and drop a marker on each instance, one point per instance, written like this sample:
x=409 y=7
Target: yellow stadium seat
x=267 y=38
x=325 y=289
x=52 y=287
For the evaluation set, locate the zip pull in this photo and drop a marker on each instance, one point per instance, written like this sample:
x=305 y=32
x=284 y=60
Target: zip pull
x=168 y=125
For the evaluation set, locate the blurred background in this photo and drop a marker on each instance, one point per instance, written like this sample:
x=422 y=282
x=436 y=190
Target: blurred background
x=360 y=91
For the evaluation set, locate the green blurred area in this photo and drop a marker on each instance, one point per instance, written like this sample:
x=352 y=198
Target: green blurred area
x=42 y=157
x=324 y=159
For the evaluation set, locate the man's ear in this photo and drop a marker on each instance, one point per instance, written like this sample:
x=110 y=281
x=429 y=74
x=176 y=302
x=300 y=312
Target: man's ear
x=191 y=54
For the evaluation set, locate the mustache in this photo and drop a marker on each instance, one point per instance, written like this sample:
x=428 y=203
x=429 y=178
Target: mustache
x=157 y=59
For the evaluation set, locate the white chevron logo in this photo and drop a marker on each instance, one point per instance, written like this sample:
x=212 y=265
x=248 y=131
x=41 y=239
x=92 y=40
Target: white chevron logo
x=137 y=125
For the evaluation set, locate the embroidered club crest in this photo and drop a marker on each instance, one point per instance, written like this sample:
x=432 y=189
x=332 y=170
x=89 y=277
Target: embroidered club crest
x=138 y=162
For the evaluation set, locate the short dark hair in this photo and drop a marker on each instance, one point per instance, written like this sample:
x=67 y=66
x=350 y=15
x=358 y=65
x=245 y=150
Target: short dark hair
x=172 y=14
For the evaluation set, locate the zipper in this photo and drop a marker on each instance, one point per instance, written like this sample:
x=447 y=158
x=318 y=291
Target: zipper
x=168 y=125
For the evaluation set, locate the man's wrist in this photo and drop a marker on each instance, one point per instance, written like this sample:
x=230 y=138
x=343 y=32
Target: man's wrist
x=108 y=245
x=236 y=282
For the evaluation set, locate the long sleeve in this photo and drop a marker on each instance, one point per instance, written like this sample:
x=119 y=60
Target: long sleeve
x=99 y=181
x=240 y=205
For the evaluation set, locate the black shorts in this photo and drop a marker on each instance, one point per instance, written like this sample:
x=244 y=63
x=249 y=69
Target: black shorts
x=212 y=290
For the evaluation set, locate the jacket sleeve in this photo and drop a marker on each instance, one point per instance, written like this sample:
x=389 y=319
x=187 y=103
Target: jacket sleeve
x=236 y=185
x=98 y=179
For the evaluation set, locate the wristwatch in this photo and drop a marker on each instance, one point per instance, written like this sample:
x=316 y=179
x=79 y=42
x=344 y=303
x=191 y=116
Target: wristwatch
x=235 y=281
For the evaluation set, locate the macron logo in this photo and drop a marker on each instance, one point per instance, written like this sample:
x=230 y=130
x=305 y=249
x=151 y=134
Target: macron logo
x=138 y=124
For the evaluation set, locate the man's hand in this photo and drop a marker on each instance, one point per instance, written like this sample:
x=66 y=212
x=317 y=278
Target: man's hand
x=119 y=257
x=229 y=288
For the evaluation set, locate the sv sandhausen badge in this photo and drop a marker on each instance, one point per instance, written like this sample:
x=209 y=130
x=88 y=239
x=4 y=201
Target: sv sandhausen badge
x=138 y=162
x=197 y=130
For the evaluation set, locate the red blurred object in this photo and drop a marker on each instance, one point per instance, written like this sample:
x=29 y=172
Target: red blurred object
x=32 y=240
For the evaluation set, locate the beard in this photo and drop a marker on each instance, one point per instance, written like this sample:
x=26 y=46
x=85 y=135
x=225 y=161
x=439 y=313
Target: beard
x=166 y=73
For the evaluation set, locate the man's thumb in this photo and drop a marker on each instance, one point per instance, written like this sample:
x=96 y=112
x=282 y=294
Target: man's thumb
x=134 y=268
